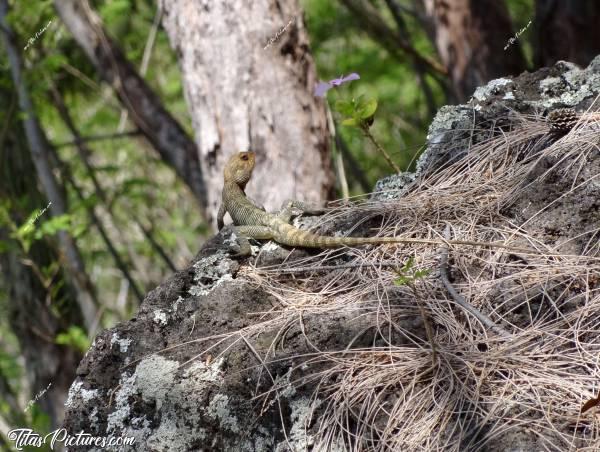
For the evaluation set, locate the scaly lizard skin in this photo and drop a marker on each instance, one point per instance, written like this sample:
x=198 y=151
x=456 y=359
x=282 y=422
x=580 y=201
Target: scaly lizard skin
x=253 y=222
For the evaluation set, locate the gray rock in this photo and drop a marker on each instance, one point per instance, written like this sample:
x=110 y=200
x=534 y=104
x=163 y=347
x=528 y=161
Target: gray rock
x=450 y=133
x=151 y=378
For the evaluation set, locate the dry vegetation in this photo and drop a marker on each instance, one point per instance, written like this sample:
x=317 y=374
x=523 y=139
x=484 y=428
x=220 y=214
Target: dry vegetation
x=517 y=367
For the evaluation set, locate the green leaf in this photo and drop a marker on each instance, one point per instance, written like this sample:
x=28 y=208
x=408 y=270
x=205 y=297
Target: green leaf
x=408 y=265
x=367 y=109
x=80 y=229
x=344 y=107
x=54 y=62
x=401 y=281
x=26 y=229
x=88 y=202
x=358 y=101
x=26 y=232
x=115 y=10
x=422 y=273
x=352 y=122
x=53 y=225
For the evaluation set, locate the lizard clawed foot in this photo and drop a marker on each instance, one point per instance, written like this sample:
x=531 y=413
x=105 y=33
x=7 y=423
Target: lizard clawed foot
x=237 y=245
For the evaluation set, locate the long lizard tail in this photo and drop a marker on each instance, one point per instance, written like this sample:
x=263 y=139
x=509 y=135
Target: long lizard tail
x=291 y=236
x=320 y=241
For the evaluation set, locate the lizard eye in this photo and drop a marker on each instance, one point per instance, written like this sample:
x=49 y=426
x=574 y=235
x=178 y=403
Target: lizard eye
x=244 y=156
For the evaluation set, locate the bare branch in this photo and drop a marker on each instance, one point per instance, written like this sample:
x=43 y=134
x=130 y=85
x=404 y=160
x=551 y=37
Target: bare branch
x=459 y=299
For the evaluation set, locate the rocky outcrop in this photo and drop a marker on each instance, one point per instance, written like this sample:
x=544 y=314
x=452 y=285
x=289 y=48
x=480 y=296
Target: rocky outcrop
x=210 y=362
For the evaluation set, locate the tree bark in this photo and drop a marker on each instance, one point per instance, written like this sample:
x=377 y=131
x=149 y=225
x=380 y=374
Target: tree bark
x=248 y=77
x=566 y=30
x=471 y=36
x=163 y=132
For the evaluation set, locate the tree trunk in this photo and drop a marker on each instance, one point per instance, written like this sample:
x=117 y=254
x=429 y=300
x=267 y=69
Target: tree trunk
x=566 y=30
x=249 y=78
x=471 y=37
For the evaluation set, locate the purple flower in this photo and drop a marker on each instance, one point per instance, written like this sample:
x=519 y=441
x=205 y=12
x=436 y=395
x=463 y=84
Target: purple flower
x=322 y=87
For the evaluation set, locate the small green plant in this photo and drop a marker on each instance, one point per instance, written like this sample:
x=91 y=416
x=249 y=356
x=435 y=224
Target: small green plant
x=357 y=112
x=34 y=228
x=407 y=275
x=360 y=113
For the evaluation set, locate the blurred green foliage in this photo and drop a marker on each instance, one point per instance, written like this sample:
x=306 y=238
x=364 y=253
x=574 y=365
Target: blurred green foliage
x=136 y=182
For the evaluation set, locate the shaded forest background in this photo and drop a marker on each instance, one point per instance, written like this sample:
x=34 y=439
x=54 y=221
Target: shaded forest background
x=96 y=209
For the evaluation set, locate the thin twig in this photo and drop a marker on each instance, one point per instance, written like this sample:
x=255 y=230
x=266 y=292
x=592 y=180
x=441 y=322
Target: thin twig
x=368 y=134
x=426 y=322
x=458 y=298
x=339 y=162
x=357 y=172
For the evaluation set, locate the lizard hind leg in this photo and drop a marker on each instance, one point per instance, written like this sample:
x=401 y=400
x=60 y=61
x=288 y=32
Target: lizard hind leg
x=255 y=232
x=243 y=233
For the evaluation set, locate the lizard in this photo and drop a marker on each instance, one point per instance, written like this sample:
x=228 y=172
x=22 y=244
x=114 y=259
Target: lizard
x=253 y=222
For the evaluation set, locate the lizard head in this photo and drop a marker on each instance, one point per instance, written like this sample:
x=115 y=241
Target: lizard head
x=239 y=168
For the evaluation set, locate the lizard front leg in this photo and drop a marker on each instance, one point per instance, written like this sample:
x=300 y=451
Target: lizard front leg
x=221 y=215
x=236 y=238
x=291 y=208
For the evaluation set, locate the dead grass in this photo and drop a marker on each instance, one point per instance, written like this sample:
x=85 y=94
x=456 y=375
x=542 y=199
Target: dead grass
x=483 y=389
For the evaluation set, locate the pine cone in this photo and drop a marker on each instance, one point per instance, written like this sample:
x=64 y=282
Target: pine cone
x=562 y=119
